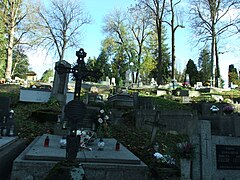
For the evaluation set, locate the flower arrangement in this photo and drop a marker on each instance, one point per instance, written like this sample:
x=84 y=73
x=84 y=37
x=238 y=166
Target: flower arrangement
x=214 y=109
x=185 y=150
x=103 y=128
x=164 y=159
x=228 y=109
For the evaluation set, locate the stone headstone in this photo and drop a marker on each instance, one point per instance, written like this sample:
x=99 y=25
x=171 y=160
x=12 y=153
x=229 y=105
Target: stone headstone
x=161 y=92
x=199 y=85
x=60 y=83
x=113 y=82
x=153 y=82
x=4 y=107
x=185 y=99
x=206 y=146
x=184 y=92
x=108 y=80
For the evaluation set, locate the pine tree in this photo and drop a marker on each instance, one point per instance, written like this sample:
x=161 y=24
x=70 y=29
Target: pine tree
x=204 y=65
x=192 y=71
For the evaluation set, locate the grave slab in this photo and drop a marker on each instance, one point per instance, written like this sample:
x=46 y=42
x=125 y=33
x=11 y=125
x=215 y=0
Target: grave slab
x=37 y=160
x=5 y=141
x=10 y=148
x=54 y=152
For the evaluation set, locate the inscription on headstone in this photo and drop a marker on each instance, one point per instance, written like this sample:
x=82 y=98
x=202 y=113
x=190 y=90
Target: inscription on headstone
x=228 y=157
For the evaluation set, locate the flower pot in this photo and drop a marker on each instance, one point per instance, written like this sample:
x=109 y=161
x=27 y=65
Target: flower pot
x=185 y=165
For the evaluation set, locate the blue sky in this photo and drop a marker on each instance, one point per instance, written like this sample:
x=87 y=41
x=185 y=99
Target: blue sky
x=93 y=35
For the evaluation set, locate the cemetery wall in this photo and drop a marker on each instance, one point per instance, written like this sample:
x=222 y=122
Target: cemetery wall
x=216 y=157
x=170 y=120
x=39 y=95
x=221 y=124
x=226 y=157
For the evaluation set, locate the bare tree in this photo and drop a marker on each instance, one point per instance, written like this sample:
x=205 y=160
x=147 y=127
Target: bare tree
x=157 y=10
x=173 y=15
x=139 y=22
x=124 y=48
x=213 y=20
x=58 y=25
x=12 y=15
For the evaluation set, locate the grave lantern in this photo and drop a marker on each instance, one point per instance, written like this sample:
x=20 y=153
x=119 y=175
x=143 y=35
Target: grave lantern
x=156 y=147
x=101 y=144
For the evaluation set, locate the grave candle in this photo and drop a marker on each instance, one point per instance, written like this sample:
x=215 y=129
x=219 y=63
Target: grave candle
x=117 y=146
x=46 y=142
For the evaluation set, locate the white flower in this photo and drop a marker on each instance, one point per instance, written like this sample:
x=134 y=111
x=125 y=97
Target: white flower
x=79 y=132
x=158 y=155
x=106 y=117
x=100 y=120
x=101 y=111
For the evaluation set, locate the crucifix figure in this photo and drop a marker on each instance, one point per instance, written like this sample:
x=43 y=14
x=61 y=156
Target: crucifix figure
x=75 y=110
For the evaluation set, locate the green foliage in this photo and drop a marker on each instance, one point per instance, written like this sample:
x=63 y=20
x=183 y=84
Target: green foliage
x=152 y=47
x=2 y=50
x=48 y=73
x=233 y=75
x=26 y=127
x=12 y=91
x=53 y=103
x=101 y=65
x=192 y=71
x=168 y=104
x=20 y=63
x=138 y=142
x=204 y=64
x=148 y=65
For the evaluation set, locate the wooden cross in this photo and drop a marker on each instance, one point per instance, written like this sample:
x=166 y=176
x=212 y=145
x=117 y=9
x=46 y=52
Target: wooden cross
x=155 y=125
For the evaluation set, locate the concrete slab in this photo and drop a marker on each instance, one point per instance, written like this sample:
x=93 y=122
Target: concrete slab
x=10 y=149
x=5 y=141
x=36 y=161
x=54 y=152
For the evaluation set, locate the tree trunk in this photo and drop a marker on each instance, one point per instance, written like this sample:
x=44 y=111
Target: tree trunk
x=173 y=49
x=217 y=65
x=160 y=55
x=213 y=83
x=9 y=55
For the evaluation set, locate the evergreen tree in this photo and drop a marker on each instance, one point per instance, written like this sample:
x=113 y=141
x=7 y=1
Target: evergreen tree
x=100 y=65
x=103 y=66
x=192 y=71
x=166 y=65
x=48 y=73
x=20 y=63
x=204 y=65
x=233 y=76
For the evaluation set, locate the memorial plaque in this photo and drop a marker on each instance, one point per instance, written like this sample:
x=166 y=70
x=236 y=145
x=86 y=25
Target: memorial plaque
x=228 y=157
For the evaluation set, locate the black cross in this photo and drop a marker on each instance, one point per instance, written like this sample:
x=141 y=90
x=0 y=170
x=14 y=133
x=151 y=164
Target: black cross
x=75 y=110
x=79 y=72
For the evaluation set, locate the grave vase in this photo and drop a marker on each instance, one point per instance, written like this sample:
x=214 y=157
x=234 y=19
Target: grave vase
x=185 y=165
